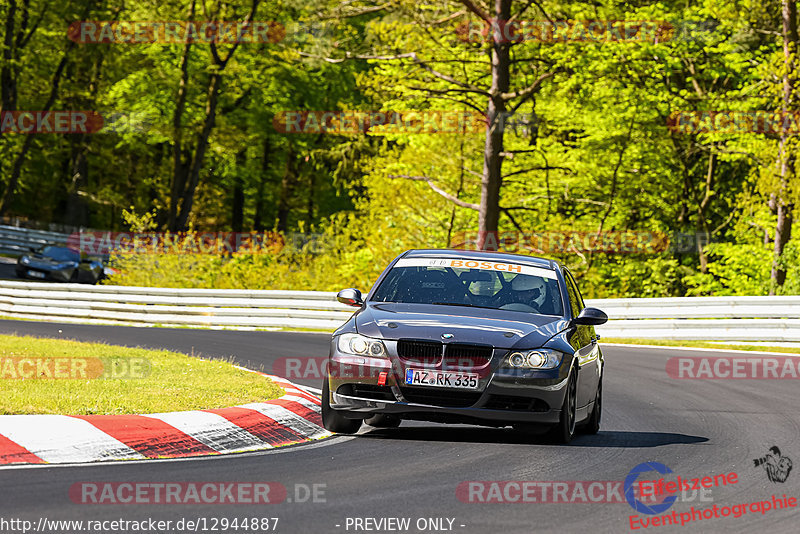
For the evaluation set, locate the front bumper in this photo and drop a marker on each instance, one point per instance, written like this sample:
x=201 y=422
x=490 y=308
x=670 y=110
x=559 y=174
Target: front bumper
x=51 y=275
x=504 y=396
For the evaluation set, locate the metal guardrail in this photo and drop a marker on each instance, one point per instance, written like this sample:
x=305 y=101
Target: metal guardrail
x=231 y=308
x=17 y=240
x=768 y=319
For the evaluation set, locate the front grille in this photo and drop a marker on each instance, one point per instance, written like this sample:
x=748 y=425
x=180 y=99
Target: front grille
x=516 y=404
x=417 y=351
x=458 y=355
x=446 y=398
x=367 y=391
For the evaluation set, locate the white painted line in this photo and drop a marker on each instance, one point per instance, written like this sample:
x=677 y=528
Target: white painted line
x=212 y=430
x=315 y=391
x=736 y=351
x=286 y=417
x=341 y=438
x=302 y=400
x=60 y=439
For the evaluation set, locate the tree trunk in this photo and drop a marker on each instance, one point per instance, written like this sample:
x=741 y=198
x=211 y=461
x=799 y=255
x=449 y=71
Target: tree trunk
x=491 y=182
x=8 y=81
x=189 y=179
x=77 y=213
x=200 y=151
x=258 y=221
x=708 y=194
x=310 y=201
x=180 y=167
x=783 y=226
x=16 y=170
x=9 y=74
x=287 y=189
x=237 y=206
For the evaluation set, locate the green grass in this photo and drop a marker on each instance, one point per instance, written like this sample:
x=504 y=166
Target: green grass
x=699 y=344
x=164 y=382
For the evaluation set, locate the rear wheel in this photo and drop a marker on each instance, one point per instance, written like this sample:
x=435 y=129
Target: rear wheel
x=381 y=420
x=564 y=431
x=333 y=420
x=593 y=424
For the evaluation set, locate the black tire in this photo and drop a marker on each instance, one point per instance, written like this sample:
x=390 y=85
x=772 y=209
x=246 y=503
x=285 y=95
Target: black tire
x=564 y=431
x=334 y=421
x=381 y=420
x=73 y=279
x=593 y=423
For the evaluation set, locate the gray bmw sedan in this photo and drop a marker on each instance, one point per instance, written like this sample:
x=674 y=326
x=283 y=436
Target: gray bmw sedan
x=459 y=336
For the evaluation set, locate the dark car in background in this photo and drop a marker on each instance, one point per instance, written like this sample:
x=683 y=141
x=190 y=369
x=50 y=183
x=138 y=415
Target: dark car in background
x=467 y=337
x=60 y=264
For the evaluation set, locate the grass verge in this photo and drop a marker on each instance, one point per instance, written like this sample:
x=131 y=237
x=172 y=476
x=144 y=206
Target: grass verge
x=699 y=344
x=75 y=378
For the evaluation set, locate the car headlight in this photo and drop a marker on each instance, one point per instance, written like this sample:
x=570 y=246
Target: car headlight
x=535 y=359
x=24 y=260
x=361 y=345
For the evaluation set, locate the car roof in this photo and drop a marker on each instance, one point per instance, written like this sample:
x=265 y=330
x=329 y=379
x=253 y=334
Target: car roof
x=482 y=255
x=59 y=247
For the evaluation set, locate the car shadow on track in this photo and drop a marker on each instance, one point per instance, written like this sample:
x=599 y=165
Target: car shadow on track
x=465 y=434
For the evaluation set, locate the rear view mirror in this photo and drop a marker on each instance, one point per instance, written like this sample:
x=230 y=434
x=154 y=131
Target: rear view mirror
x=591 y=317
x=351 y=297
x=476 y=276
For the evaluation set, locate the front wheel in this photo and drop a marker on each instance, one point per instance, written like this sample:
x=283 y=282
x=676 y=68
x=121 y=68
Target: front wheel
x=564 y=431
x=333 y=420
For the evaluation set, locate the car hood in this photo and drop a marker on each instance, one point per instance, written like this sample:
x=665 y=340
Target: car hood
x=44 y=262
x=499 y=328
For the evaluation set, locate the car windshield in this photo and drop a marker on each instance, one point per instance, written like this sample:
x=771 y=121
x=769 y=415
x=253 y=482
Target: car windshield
x=483 y=284
x=61 y=254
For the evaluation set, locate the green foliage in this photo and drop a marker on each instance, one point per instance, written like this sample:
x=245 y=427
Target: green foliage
x=596 y=155
x=741 y=269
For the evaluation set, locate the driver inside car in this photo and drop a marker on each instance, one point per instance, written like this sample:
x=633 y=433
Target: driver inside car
x=529 y=290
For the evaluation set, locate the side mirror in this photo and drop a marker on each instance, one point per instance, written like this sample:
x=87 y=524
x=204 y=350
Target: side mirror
x=351 y=297
x=591 y=316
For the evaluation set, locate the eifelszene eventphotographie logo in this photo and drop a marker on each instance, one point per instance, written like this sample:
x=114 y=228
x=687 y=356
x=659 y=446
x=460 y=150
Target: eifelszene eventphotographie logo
x=776 y=465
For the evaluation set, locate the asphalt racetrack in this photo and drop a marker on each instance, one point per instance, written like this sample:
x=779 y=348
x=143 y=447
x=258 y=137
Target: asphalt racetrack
x=420 y=471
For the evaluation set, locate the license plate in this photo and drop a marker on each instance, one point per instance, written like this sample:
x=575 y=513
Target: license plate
x=36 y=274
x=441 y=379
